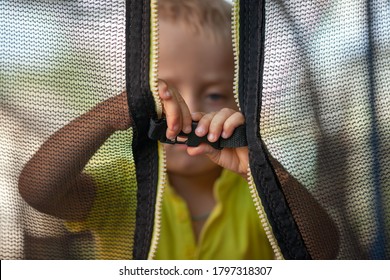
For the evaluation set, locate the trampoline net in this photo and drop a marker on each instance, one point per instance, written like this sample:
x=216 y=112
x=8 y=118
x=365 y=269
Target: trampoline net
x=324 y=117
x=59 y=59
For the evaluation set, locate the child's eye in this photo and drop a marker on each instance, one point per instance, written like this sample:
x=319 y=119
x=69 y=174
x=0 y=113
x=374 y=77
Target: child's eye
x=215 y=97
x=216 y=100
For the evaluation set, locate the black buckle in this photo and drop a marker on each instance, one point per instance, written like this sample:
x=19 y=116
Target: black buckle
x=158 y=128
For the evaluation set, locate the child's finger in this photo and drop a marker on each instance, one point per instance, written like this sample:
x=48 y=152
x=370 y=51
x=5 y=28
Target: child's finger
x=203 y=125
x=203 y=149
x=163 y=90
x=185 y=114
x=172 y=109
x=232 y=123
x=217 y=123
x=197 y=116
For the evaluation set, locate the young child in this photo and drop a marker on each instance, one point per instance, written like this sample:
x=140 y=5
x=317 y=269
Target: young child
x=207 y=210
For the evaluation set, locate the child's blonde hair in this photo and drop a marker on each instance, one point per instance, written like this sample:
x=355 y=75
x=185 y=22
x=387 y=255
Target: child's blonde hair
x=211 y=17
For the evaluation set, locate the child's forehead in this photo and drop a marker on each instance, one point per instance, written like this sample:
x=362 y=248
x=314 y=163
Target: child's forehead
x=186 y=56
x=216 y=13
x=200 y=17
x=179 y=49
x=170 y=29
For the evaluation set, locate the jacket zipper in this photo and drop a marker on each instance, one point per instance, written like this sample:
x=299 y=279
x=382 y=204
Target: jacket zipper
x=153 y=80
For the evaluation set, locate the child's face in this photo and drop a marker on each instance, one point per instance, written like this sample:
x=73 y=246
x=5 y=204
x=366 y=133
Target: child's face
x=201 y=69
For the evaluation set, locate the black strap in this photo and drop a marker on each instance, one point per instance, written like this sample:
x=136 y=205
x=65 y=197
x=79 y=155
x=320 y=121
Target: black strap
x=159 y=127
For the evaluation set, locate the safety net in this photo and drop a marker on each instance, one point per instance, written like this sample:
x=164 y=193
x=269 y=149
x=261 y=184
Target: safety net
x=314 y=87
x=324 y=116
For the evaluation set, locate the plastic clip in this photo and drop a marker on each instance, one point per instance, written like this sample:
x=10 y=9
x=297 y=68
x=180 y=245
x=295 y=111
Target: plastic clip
x=158 y=128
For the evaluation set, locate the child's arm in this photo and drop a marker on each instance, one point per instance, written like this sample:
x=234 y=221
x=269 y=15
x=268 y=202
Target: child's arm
x=53 y=182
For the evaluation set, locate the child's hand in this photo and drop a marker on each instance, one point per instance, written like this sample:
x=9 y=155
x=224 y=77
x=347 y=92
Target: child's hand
x=175 y=109
x=115 y=111
x=214 y=125
x=221 y=124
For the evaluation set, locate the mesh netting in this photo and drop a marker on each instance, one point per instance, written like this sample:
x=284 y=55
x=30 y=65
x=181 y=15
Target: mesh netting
x=324 y=118
x=58 y=60
x=325 y=113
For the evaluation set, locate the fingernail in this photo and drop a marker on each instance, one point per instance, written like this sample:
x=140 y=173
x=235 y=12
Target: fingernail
x=224 y=134
x=187 y=129
x=199 y=130
x=211 y=137
x=171 y=136
x=167 y=93
x=175 y=127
